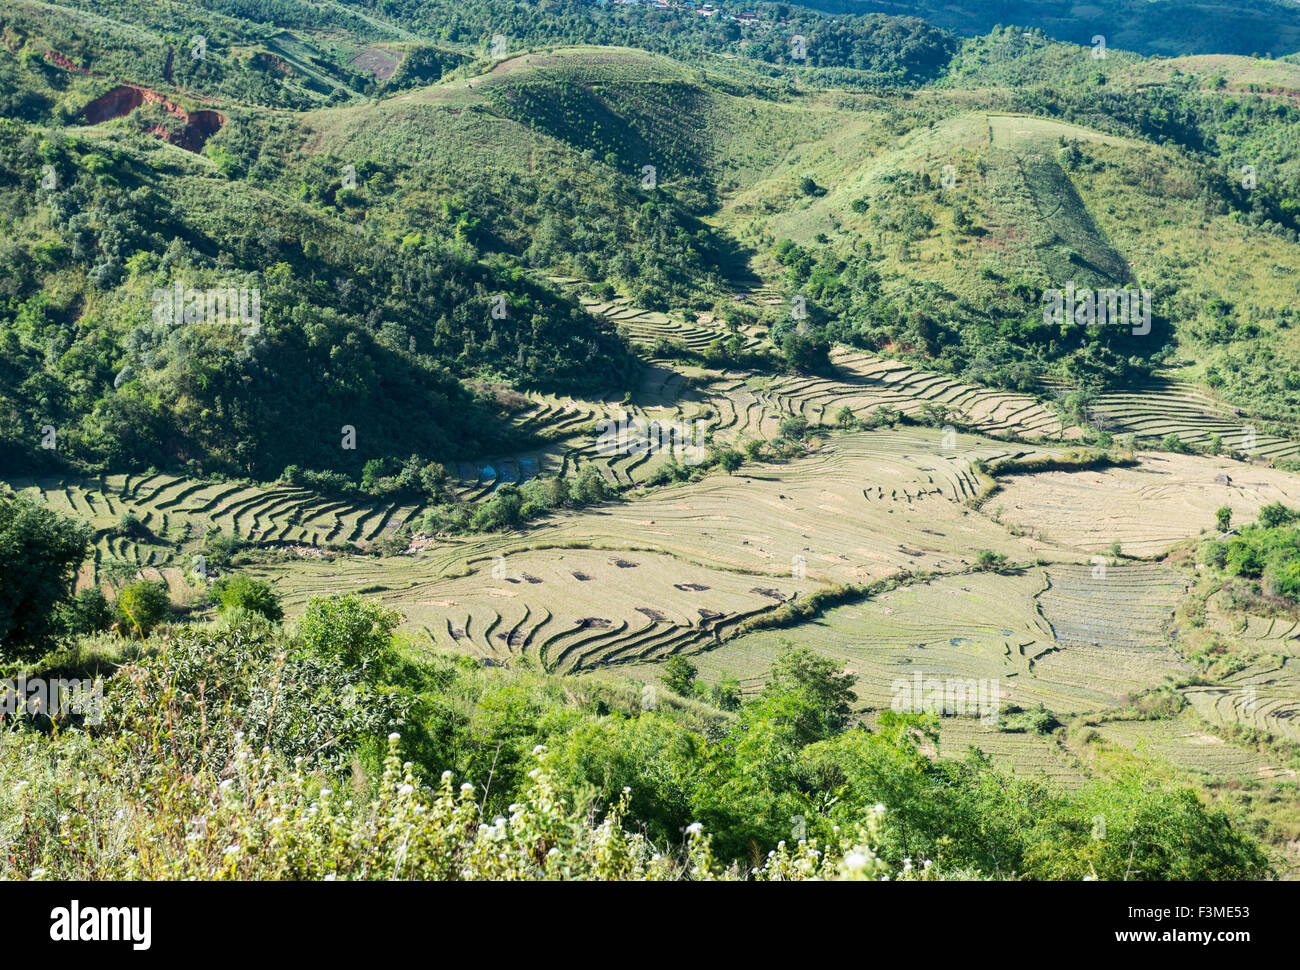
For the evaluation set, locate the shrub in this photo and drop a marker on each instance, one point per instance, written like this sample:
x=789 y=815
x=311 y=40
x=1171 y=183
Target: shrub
x=349 y=628
x=210 y=685
x=219 y=550
x=679 y=675
x=730 y=460
x=503 y=510
x=793 y=428
x=130 y=526
x=1276 y=514
x=1223 y=518
x=142 y=606
x=246 y=593
x=589 y=488
x=1214 y=554
x=1285 y=580
x=89 y=612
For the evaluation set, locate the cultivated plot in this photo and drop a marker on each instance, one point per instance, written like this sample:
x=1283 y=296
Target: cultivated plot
x=1148 y=508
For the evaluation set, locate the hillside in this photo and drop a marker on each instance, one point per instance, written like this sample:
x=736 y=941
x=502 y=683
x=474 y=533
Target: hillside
x=612 y=378
x=1165 y=27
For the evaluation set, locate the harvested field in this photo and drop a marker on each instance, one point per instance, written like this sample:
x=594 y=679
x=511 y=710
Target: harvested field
x=1163 y=500
x=980 y=626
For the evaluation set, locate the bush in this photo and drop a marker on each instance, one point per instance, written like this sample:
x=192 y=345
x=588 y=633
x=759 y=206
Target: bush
x=129 y=526
x=503 y=510
x=1223 y=518
x=209 y=685
x=730 y=460
x=1245 y=558
x=679 y=675
x=141 y=607
x=1035 y=720
x=793 y=428
x=89 y=612
x=219 y=550
x=348 y=628
x=243 y=592
x=589 y=488
x=806 y=354
x=1214 y=554
x=1285 y=580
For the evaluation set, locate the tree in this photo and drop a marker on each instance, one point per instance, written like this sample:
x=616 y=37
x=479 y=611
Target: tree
x=349 y=628
x=142 y=606
x=844 y=417
x=809 y=693
x=990 y=561
x=725 y=694
x=589 y=488
x=679 y=675
x=39 y=554
x=805 y=354
x=1224 y=518
x=246 y=593
x=730 y=460
x=794 y=427
x=1275 y=514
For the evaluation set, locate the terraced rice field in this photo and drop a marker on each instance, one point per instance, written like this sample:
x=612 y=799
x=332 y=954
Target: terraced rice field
x=1265 y=696
x=177 y=511
x=869 y=505
x=575 y=429
x=1113 y=606
x=647 y=327
x=1025 y=753
x=1179 y=742
x=568 y=609
x=1148 y=508
x=978 y=626
x=731 y=407
x=865 y=506
x=1268 y=634
x=864 y=382
x=1167 y=408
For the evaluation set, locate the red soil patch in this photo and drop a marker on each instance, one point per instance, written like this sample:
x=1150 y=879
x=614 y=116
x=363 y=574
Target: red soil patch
x=125 y=98
x=263 y=58
x=58 y=59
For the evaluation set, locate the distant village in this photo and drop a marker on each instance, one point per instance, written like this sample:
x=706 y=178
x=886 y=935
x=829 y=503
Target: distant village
x=703 y=10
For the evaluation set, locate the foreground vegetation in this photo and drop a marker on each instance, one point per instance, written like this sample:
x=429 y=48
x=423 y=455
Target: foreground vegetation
x=245 y=751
